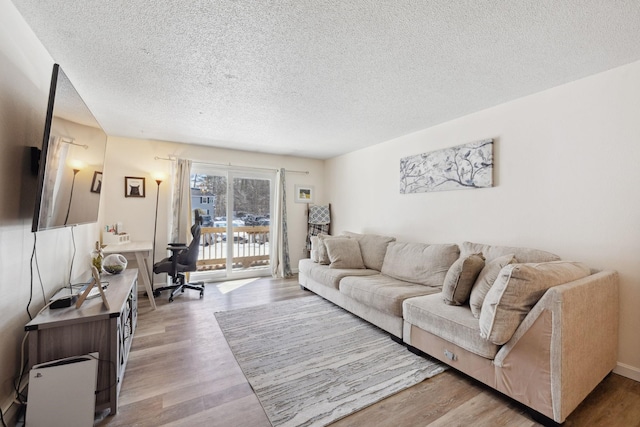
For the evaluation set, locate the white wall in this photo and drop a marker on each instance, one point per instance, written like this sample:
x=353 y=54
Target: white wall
x=136 y=157
x=566 y=172
x=25 y=74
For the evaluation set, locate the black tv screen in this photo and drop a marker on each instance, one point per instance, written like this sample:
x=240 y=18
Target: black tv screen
x=71 y=161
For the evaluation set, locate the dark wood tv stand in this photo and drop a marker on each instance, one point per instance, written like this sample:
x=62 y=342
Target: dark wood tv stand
x=65 y=332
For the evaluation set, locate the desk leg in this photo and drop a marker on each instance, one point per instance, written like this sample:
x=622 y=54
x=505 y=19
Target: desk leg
x=143 y=268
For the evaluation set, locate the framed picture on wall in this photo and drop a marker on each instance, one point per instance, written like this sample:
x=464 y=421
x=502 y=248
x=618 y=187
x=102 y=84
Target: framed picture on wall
x=134 y=186
x=96 y=184
x=303 y=194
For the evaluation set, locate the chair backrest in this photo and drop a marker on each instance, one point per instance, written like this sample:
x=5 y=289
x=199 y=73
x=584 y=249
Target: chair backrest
x=189 y=257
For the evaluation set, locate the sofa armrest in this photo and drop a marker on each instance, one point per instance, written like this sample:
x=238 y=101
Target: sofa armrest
x=583 y=344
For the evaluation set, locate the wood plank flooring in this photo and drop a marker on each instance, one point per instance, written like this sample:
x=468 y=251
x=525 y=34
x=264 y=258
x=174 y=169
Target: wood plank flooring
x=181 y=372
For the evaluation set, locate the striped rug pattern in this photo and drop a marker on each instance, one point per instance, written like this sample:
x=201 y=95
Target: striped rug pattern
x=311 y=363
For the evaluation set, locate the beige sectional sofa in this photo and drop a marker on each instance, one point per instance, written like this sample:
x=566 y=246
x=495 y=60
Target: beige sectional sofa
x=538 y=329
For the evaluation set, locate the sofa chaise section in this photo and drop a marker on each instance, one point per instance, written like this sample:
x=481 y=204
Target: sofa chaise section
x=560 y=352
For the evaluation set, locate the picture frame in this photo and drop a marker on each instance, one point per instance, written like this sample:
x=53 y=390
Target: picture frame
x=304 y=193
x=134 y=186
x=96 y=183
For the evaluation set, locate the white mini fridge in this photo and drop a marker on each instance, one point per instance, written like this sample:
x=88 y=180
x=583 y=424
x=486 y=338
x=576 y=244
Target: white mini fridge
x=63 y=392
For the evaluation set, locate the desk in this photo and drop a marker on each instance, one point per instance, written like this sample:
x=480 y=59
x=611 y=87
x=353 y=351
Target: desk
x=142 y=252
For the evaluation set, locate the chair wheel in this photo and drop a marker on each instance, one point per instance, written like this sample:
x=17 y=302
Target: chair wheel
x=156 y=293
x=201 y=294
x=171 y=299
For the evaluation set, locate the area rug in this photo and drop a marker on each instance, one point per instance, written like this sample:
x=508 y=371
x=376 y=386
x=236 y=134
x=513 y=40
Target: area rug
x=311 y=363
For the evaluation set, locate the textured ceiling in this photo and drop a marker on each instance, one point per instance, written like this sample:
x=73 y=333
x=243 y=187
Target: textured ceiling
x=320 y=78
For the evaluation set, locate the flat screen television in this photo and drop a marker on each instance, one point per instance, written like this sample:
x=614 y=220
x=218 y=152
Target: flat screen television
x=71 y=160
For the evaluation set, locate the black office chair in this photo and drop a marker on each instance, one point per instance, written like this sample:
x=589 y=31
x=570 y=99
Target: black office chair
x=183 y=259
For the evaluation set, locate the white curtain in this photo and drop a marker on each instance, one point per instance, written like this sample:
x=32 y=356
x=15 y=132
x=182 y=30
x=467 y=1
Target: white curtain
x=51 y=207
x=280 y=264
x=181 y=197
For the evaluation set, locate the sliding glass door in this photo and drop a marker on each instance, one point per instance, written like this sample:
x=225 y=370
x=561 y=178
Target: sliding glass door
x=235 y=208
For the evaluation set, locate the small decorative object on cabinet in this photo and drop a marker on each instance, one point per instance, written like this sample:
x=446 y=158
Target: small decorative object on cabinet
x=115 y=263
x=97 y=256
x=72 y=332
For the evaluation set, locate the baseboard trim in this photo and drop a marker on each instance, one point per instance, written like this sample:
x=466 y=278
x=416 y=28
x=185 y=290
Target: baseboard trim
x=627 y=371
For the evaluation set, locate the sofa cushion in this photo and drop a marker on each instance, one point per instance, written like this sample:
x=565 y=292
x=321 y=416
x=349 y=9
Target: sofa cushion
x=453 y=323
x=382 y=292
x=522 y=254
x=517 y=289
x=329 y=276
x=344 y=253
x=372 y=247
x=419 y=262
x=485 y=279
x=460 y=278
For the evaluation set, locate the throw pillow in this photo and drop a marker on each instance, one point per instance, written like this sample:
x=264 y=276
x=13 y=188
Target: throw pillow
x=373 y=248
x=419 y=262
x=517 y=289
x=460 y=278
x=344 y=253
x=323 y=256
x=485 y=279
x=315 y=243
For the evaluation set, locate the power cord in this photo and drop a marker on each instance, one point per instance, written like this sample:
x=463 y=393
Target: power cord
x=44 y=299
x=73 y=257
x=33 y=255
x=20 y=398
x=113 y=365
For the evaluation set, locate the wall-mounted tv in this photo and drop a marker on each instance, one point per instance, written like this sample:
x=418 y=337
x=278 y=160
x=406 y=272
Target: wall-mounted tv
x=71 y=160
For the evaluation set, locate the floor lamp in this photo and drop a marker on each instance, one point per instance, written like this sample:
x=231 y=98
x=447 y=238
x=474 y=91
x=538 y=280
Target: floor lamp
x=76 y=166
x=155 y=229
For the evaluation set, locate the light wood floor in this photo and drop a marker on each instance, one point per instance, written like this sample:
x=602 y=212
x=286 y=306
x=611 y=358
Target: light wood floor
x=181 y=372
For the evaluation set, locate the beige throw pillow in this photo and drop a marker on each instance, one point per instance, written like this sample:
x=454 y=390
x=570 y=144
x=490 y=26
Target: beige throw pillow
x=373 y=248
x=344 y=253
x=323 y=255
x=460 y=278
x=485 y=279
x=517 y=289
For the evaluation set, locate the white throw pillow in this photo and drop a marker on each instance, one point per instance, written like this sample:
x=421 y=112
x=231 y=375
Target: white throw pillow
x=315 y=243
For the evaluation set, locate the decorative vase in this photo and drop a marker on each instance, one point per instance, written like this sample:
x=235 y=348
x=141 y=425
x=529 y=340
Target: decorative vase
x=114 y=264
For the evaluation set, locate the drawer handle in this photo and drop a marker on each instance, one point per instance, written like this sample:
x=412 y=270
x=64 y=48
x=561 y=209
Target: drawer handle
x=449 y=355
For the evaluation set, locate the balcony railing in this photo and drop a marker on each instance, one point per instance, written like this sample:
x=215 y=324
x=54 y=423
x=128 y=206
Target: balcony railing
x=250 y=247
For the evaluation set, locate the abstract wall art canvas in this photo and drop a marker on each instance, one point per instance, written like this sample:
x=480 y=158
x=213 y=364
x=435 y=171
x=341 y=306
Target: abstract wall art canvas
x=466 y=166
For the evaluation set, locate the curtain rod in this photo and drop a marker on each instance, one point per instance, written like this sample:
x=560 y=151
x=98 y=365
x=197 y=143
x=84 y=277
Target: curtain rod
x=72 y=141
x=232 y=166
